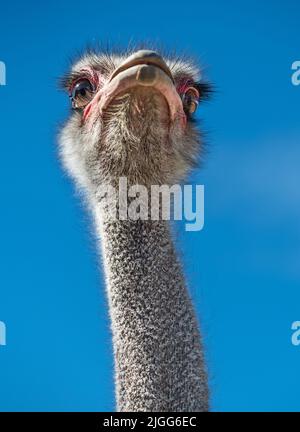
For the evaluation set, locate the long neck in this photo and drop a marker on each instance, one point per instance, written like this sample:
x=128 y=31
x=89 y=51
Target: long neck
x=158 y=355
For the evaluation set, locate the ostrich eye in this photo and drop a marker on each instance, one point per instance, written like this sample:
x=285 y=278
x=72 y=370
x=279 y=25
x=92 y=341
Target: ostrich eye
x=81 y=94
x=190 y=100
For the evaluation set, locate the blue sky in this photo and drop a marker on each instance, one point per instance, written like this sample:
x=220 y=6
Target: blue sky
x=243 y=268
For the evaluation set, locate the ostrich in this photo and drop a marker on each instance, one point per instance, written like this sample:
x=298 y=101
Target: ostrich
x=132 y=117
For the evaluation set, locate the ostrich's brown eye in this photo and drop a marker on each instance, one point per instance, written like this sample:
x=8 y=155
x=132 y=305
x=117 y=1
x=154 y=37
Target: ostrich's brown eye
x=190 y=100
x=81 y=94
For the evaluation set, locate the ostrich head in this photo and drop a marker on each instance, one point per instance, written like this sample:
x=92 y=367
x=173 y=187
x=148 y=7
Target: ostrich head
x=132 y=116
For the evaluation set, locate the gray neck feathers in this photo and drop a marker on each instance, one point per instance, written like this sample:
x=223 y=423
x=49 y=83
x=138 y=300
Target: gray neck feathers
x=157 y=347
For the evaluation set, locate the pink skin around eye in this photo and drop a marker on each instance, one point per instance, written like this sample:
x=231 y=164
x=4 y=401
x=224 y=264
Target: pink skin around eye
x=95 y=79
x=183 y=85
x=186 y=85
x=181 y=88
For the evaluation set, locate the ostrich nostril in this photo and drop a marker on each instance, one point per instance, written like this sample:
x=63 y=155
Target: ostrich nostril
x=147 y=75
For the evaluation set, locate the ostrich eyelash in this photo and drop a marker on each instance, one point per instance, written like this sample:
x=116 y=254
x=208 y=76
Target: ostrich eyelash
x=67 y=82
x=205 y=90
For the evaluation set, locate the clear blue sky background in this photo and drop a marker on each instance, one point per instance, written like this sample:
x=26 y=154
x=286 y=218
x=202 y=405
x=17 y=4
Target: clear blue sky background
x=243 y=268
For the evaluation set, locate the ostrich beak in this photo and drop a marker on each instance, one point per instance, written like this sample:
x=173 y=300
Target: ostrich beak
x=143 y=68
